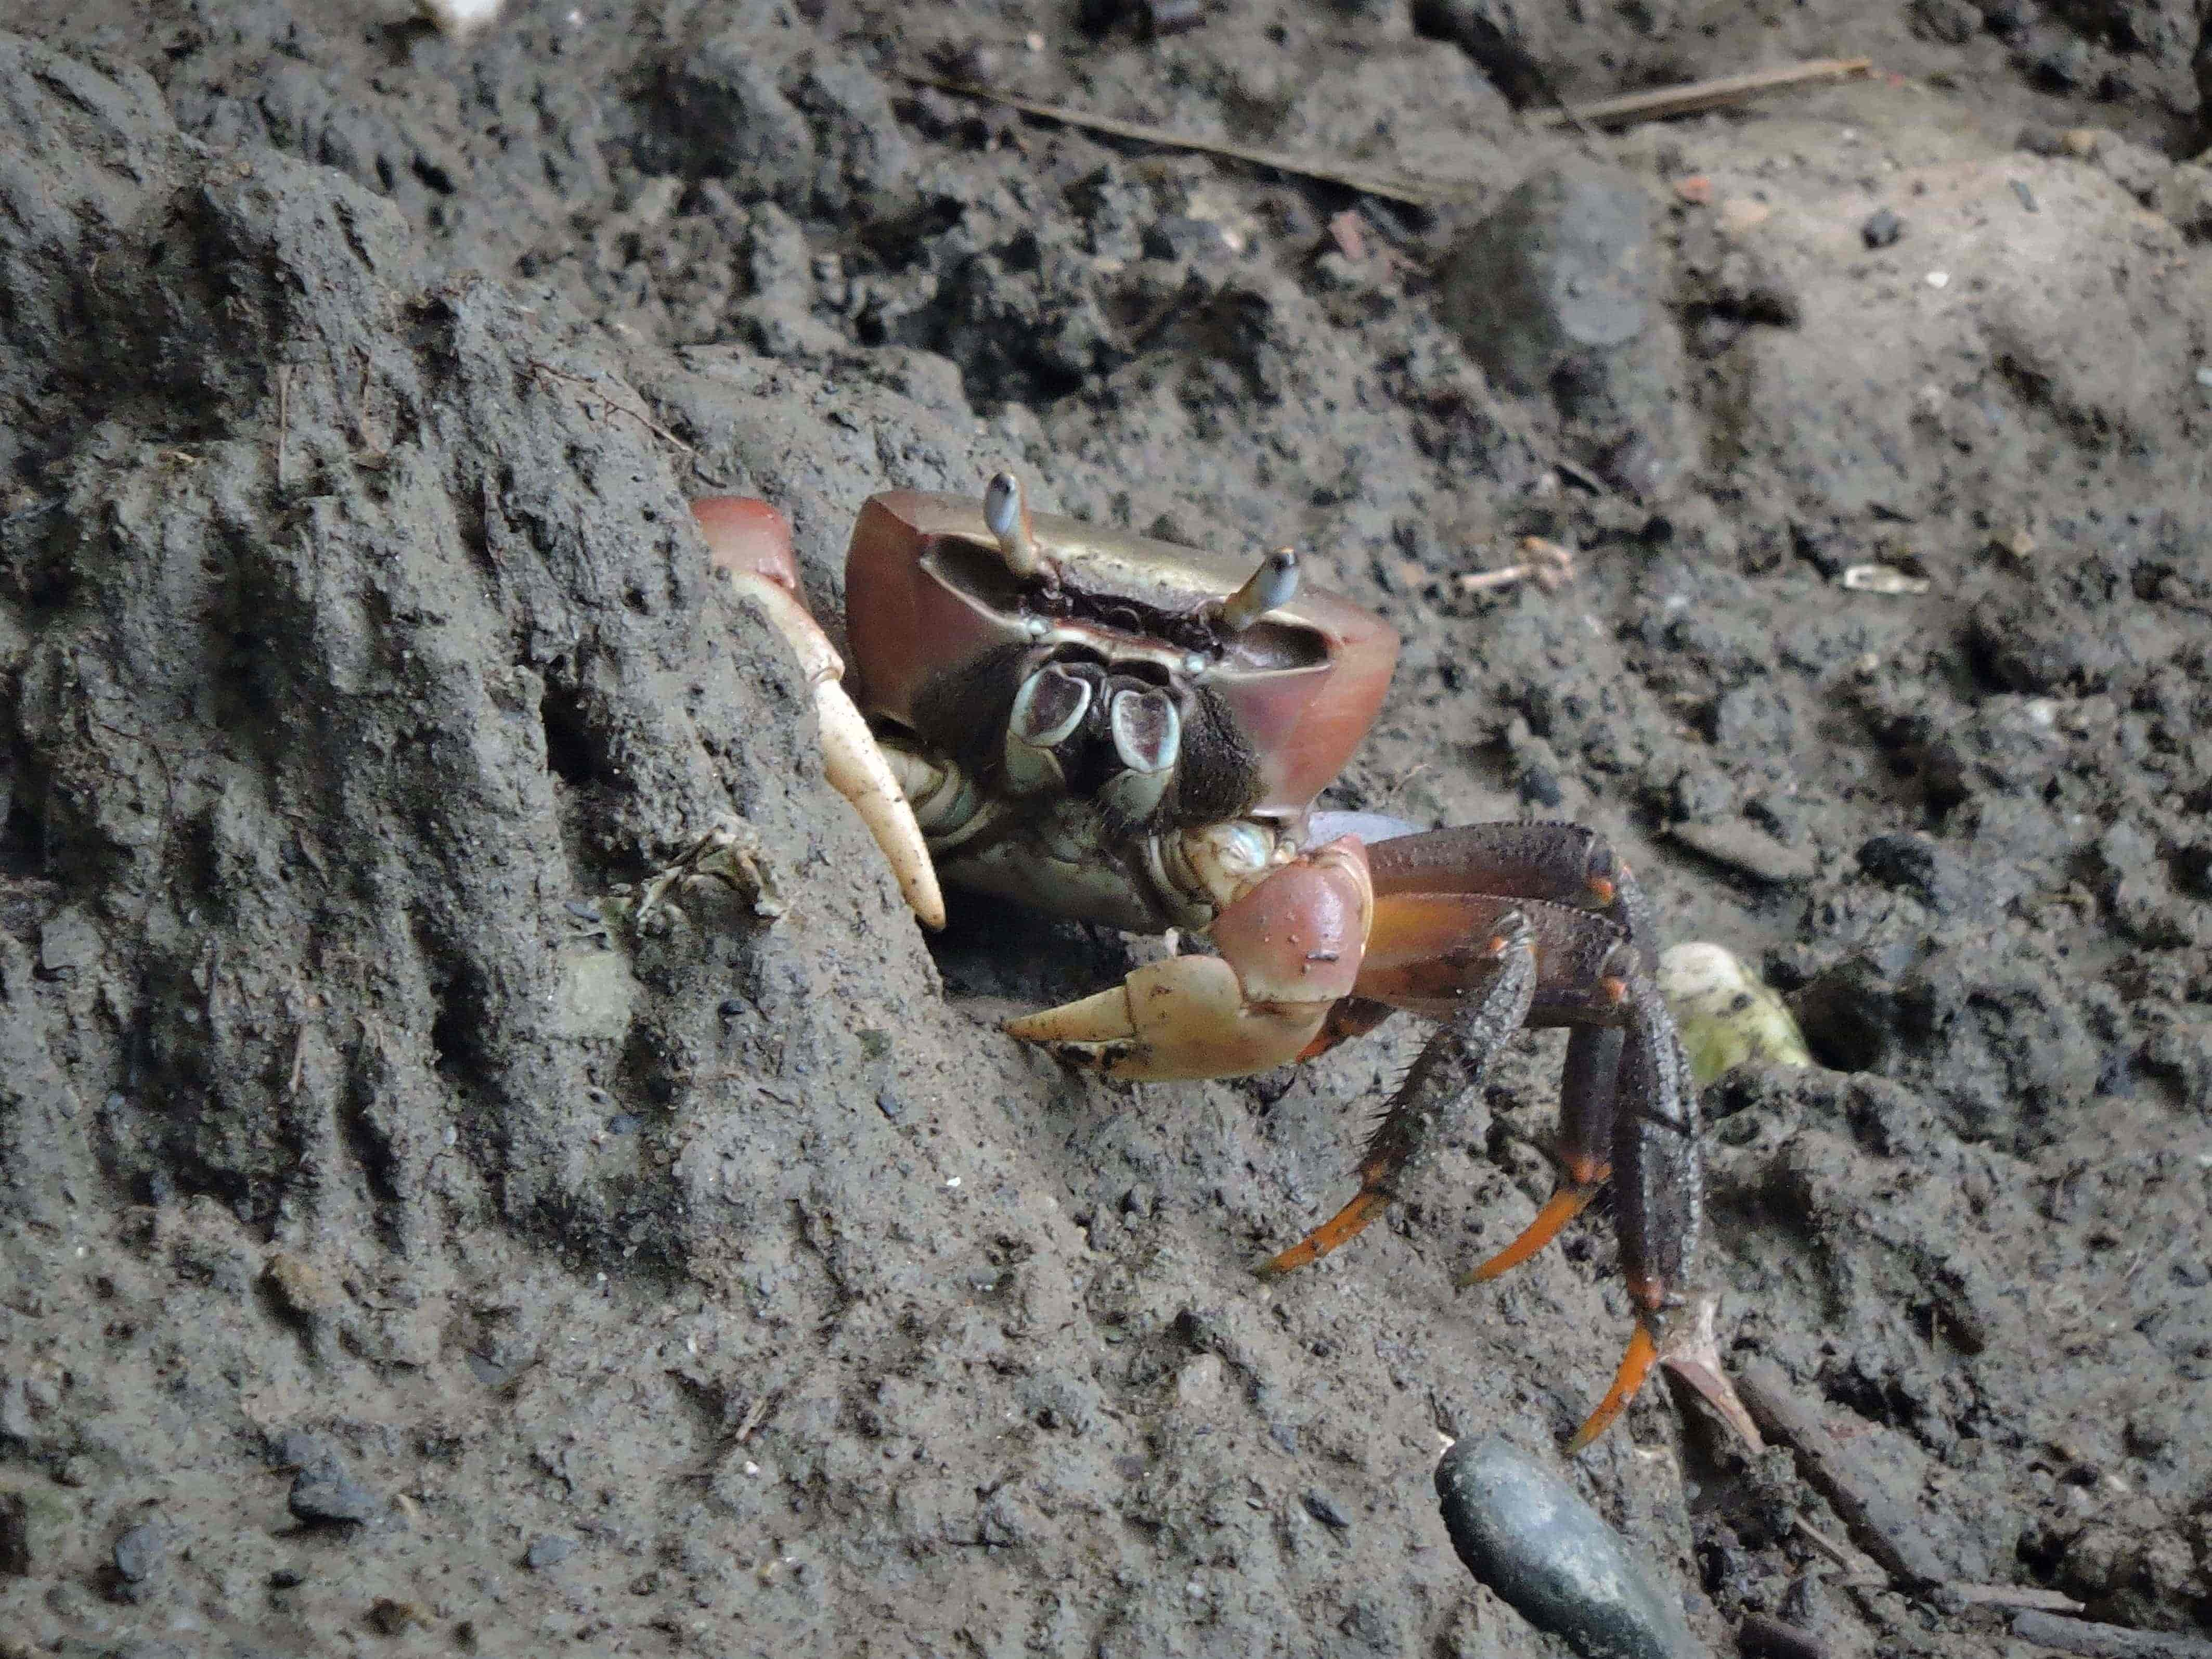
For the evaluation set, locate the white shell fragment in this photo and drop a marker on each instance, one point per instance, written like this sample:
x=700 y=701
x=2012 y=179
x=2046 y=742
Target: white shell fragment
x=459 y=17
x=1725 y=1014
x=1883 y=578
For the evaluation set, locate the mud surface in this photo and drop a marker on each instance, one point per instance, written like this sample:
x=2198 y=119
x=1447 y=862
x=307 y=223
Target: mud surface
x=394 y=1261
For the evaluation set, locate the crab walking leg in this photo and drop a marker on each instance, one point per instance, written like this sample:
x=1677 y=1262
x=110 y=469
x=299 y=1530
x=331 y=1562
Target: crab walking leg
x=1658 y=1175
x=1451 y=1064
x=1562 y=864
x=1290 y=948
x=750 y=541
x=1587 y=1089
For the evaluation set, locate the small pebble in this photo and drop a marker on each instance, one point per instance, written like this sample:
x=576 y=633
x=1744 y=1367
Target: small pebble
x=138 y=1552
x=887 y=1102
x=1529 y=1536
x=622 y=1123
x=1881 y=228
x=2026 y=196
x=547 y=1550
x=1319 y=1505
x=327 y=1493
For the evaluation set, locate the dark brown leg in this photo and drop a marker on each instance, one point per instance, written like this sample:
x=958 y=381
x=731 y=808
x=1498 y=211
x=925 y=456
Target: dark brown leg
x=1584 y=1148
x=1658 y=1182
x=1349 y=1017
x=1500 y=974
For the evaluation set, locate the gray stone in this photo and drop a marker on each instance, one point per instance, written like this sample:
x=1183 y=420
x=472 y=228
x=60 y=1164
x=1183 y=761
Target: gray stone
x=1526 y=1533
x=327 y=1493
x=1563 y=267
x=546 y=1550
x=138 y=1552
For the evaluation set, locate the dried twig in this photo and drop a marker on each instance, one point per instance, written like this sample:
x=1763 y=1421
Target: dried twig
x=1689 y=100
x=1546 y=564
x=1695 y=97
x=283 y=416
x=1392 y=186
x=1878 y=1525
x=593 y=387
x=2107 y=1641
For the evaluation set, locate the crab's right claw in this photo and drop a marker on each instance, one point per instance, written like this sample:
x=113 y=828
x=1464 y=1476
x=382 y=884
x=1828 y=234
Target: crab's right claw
x=750 y=541
x=1290 y=950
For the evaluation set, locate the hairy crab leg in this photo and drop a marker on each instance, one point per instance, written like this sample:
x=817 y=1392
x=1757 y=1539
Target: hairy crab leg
x=1657 y=1180
x=1628 y=1108
x=750 y=541
x=1500 y=978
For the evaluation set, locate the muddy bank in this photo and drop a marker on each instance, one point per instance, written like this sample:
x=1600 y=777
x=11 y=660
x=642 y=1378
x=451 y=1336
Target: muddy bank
x=425 y=1263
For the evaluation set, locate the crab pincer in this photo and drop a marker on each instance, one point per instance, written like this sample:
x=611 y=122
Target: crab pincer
x=749 y=542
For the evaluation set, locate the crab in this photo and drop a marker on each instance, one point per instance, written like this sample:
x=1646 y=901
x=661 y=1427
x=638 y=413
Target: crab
x=1127 y=732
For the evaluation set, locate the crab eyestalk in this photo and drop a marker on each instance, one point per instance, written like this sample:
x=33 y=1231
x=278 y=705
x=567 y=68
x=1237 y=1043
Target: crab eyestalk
x=1007 y=512
x=1275 y=583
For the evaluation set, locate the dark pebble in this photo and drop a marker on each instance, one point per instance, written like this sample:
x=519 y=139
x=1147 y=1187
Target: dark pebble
x=138 y=1552
x=1180 y=238
x=1540 y=787
x=887 y=1102
x=729 y=1008
x=295 y=1449
x=2026 y=196
x=1881 y=228
x=622 y=1123
x=1529 y=1536
x=1319 y=1505
x=1915 y=865
x=548 y=1551
x=287 y=1578
x=327 y=1493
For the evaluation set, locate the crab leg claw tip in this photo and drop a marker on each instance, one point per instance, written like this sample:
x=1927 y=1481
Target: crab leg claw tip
x=1567 y=1201
x=1339 y=1229
x=1635 y=1366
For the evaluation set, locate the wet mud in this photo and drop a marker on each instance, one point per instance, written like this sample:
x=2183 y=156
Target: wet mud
x=397 y=1255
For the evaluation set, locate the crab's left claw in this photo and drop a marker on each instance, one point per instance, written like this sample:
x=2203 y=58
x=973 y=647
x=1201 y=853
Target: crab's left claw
x=1290 y=948
x=750 y=541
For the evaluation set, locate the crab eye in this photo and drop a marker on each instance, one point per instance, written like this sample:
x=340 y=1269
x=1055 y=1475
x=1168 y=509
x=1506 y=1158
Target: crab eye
x=1050 y=705
x=1007 y=515
x=1147 y=730
x=1275 y=583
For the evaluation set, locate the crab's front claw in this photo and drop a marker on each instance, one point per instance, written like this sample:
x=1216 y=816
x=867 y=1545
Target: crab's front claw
x=1290 y=950
x=750 y=541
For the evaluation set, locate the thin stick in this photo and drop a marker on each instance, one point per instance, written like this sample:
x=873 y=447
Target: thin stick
x=1392 y=186
x=1697 y=96
x=1687 y=99
x=591 y=387
x=283 y=417
x=2105 y=1641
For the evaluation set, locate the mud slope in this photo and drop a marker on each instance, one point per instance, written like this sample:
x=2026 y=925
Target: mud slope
x=397 y=1257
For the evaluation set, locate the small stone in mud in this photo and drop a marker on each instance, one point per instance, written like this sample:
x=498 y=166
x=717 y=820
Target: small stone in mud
x=1526 y=1533
x=1319 y=1505
x=1881 y=228
x=1562 y=267
x=138 y=1553
x=887 y=1102
x=295 y=1449
x=546 y=1550
x=327 y=1493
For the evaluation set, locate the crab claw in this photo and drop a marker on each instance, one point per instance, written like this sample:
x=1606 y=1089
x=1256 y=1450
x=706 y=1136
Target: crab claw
x=1290 y=950
x=750 y=541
